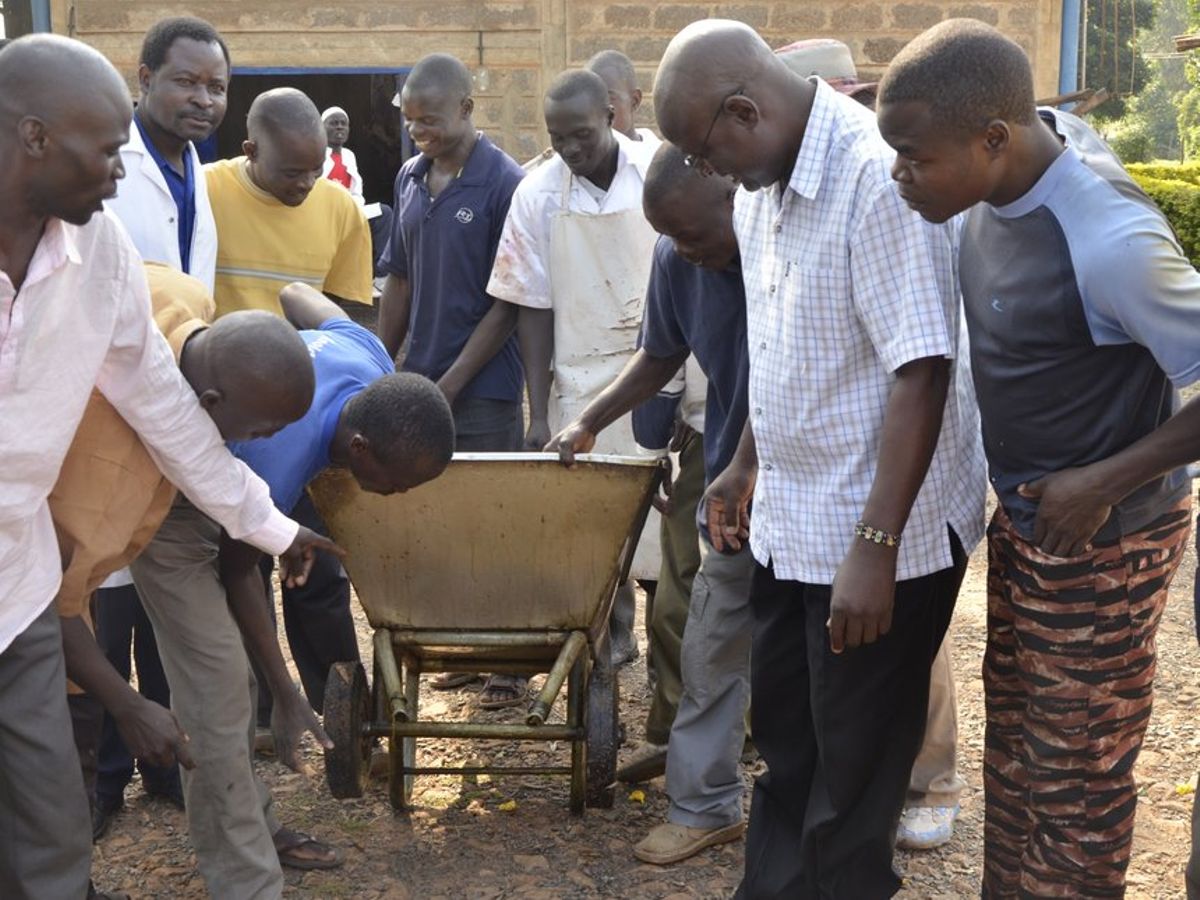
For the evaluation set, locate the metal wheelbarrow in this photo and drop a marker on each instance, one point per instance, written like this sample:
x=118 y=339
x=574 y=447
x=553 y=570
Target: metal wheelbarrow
x=505 y=563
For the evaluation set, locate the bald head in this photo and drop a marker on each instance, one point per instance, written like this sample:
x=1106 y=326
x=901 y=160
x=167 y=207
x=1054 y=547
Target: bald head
x=440 y=74
x=252 y=372
x=64 y=114
x=286 y=144
x=282 y=111
x=579 y=85
x=616 y=71
x=724 y=97
x=693 y=209
x=705 y=61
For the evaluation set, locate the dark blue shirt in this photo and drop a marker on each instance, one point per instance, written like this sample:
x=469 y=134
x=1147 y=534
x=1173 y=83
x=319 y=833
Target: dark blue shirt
x=183 y=191
x=445 y=247
x=690 y=308
x=346 y=358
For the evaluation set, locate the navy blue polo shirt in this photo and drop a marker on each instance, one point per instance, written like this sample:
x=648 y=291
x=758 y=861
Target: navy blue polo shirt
x=445 y=247
x=183 y=191
x=690 y=308
x=346 y=358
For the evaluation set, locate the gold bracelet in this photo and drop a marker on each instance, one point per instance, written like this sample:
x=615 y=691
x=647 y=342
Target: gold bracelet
x=876 y=535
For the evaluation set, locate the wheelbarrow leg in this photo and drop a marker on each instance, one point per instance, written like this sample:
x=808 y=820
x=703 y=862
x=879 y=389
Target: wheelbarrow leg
x=602 y=726
x=405 y=755
x=575 y=691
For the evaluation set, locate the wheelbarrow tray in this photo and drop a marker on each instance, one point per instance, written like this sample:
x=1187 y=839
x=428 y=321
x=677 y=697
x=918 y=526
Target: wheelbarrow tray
x=500 y=541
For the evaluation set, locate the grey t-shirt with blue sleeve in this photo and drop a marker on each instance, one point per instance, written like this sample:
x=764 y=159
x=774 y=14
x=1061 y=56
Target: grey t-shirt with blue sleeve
x=1084 y=319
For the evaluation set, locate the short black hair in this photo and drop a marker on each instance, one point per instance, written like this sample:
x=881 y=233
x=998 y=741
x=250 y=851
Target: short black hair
x=968 y=74
x=403 y=415
x=283 y=110
x=668 y=174
x=579 y=82
x=616 y=62
x=440 y=72
x=163 y=34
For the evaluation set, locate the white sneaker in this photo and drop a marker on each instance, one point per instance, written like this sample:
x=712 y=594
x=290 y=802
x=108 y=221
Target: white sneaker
x=926 y=827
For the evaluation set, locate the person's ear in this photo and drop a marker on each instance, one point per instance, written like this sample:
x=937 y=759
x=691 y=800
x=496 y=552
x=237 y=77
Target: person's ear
x=358 y=444
x=743 y=110
x=468 y=107
x=250 y=149
x=996 y=137
x=635 y=99
x=612 y=114
x=144 y=74
x=33 y=136
x=209 y=399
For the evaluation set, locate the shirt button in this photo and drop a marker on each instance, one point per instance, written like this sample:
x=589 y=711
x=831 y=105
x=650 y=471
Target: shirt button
x=768 y=466
x=772 y=289
x=762 y=346
x=171 y=220
x=758 y=410
x=778 y=228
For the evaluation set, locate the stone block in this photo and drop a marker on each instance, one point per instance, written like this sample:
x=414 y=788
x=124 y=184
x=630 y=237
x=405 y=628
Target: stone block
x=627 y=16
x=672 y=17
x=798 y=20
x=916 y=16
x=756 y=16
x=856 y=16
x=981 y=11
x=881 y=50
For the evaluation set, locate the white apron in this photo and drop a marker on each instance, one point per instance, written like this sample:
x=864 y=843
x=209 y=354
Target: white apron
x=599 y=270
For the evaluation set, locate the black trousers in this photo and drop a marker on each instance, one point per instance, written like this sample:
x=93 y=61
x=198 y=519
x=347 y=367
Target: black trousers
x=120 y=622
x=316 y=618
x=839 y=734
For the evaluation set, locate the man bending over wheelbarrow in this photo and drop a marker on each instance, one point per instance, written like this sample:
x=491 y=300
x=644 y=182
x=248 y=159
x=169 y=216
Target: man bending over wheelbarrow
x=393 y=432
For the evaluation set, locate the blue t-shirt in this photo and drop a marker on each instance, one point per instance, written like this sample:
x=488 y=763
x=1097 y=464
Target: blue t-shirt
x=183 y=191
x=445 y=247
x=1084 y=318
x=689 y=308
x=346 y=358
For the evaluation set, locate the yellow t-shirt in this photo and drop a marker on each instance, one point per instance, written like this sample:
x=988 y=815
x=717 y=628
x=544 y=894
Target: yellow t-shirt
x=263 y=245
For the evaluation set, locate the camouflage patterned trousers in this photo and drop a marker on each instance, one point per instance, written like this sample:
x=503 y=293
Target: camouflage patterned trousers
x=1068 y=679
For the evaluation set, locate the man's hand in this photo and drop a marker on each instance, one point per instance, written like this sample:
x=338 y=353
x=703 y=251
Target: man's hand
x=727 y=507
x=662 y=501
x=864 y=590
x=538 y=435
x=291 y=717
x=449 y=391
x=575 y=438
x=1072 y=506
x=297 y=561
x=152 y=733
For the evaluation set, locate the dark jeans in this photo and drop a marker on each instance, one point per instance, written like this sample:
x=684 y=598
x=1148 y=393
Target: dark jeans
x=316 y=617
x=839 y=734
x=482 y=425
x=120 y=621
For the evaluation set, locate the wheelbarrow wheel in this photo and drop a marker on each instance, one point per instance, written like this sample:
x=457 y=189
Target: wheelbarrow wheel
x=347 y=710
x=602 y=728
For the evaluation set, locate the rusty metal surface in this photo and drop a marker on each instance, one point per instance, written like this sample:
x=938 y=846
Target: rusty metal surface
x=499 y=541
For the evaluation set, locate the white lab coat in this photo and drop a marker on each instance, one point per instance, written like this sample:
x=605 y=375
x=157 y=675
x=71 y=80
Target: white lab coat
x=147 y=210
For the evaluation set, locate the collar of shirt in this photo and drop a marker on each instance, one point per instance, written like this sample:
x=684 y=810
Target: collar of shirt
x=168 y=170
x=814 y=148
x=56 y=248
x=475 y=171
x=1042 y=188
x=182 y=187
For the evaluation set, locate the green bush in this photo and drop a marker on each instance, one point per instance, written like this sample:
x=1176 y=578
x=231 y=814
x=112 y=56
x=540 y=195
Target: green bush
x=1179 y=200
x=1163 y=170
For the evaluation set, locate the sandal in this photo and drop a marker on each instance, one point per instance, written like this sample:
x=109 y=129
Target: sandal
x=448 y=681
x=302 y=851
x=503 y=692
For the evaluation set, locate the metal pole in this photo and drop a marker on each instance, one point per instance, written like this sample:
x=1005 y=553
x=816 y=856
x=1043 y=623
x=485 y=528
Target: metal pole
x=540 y=711
x=393 y=687
x=1068 y=56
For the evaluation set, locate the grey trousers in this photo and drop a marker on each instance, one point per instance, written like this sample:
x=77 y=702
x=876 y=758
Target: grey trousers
x=45 y=830
x=710 y=725
x=228 y=807
x=935 y=780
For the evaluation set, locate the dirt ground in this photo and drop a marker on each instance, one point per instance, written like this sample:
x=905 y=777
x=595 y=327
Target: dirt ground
x=513 y=837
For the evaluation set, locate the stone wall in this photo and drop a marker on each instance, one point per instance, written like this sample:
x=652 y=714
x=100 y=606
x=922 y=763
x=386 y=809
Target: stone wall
x=515 y=49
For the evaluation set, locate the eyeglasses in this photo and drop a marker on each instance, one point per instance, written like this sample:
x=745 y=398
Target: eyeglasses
x=696 y=160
